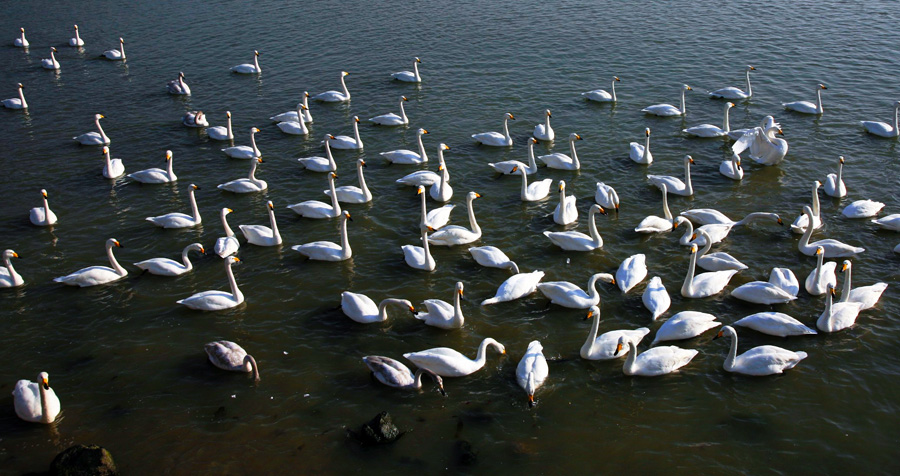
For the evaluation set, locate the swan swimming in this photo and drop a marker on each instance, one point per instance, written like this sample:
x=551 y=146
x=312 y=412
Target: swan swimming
x=497 y=139
x=807 y=107
x=116 y=55
x=833 y=248
x=709 y=130
x=409 y=76
x=532 y=370
x=447 y=362
x=775 y=324
x=317 y=209
x=732 y=92
x=834 y=183
x=217 y=300
x=569 y=295
x=112 y=168
x=765 y=148
x=862 y=209
x=227 y=355
x=221 y=132
x=327 y=250
x=558 y=160
x=493 y=257
x=604 y=346
x=606 y=196
x=601 y=95
x=408 y=157
x=9 y=278
x=822 y=276
x=94 y=138
x=261 y=235
x=837 y=316
x=320 y=164
x=668 y=110
x=802 y=221
x=50 y=63
x=95 y=275
x=436 y=218
x=656 y=299
x=457 y=235
x=353 y=194
x=19 y=102
x=194 y=119
x=21 y=41
x=178 y=87
x=362 y=308
x=719 y=261
x=169 y=267
x=246 y=185
x=516 y=286
x=577 y=241
x=227 y=245
x=536 y=191
x=243 y=151
x=866 y=296
x=566 y=211
x=391 y=119
x=156 y=175
x=655 y=361
x=641 y=153
x=177 y=219
x=394 y=374
x=884 y=129
x=544 y=131
x=507 y=166
x=442 y=314
x=731 y=168
x=705 y=284
x=298 y=127
x=655 y=224
x=36 y=402
x=43 y=215
x=76 y=41
x=335 y=96
x=247 y=68
x=347 y=142
x=631 y=272
x=685 y=325
x=758 y=361
x=419 y=257
x=674 y=184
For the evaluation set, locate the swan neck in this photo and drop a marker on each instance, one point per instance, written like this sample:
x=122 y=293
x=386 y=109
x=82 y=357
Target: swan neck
x=819 y=100
x=108 y=164
x=25 y=105
x=252 y=175
x=592 y=227
x=896 y=118
x=646 y=149
x=187 y=261
x=228 y=128
x=256 y=63
x=706 y=247
x=666 y=212
x=457 y=309
x=726 y=125
x=45 y=405
x=345 y=240
x=238 y=296
x=687 y=177
x=531 y=163
x=845 y=290
x=688 y=285
x=429 y=260
x=422 y=153
x=274 y=225
x=749 y=90
x=732 y=352
x=122 y=49
x=417 y=379
x=592 y=288
x=403 y=113
x=547 y=124
x=481 y=357
x=632 y=356
x=574 y=153
x=416 y=70
x=335 y=205
x=506 y=129
x=194 y=209
x=472 y=223
x=804 y=240
x=356 y=134
x=613 y=90
x=46 y=210
x=228 y=232
x=840 y=175
x=99 y=127
x=344 y=87
x=253 y=368
x=815 y=201
x=170 y=170
x=112 y=260
x=592 y=335
x=424 y=210
x=256 y=151
x=362 y=182
x=524 y=185
x=682 y=102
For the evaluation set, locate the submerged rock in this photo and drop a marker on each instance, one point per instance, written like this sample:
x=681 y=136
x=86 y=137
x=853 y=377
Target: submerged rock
x=378 y=431
x=84 y=460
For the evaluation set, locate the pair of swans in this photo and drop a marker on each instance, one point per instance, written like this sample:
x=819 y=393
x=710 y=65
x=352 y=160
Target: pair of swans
x=427 y=177
x=16 y=103
x=775 y=324
x=565 y=212
x=227 y=245
x=641 y=153
x=116 y=55
x=50 y=63
x=601 y=95
x=731 y=168
x=442 y=314
x=447 y=362
x=94 y=138
x=36 y=402
x=685 y=325
x=862 y=209
x=806 y=107
x=535 y=191
x=221 y=132
x=763 y=292
x=837 y=316
x=674 y=184
x=300 y=112
x=457 y=235
x=43 y=215
x=320 y=164
x=758 y=361
x=509 y=167
x=327 y=250
x=76 y=41
x=655 y=361
x=351 y=193
x=822 y=276
x=247 y=68
x=656 y=299
x=194 y=119
x=493 y=257
x=516 y=286
x=259 y=235
x=544 y=131
x=217 y=300
x=436 y=218
x=884 y=129
x=227 y=355
x=409 y=76
x=833 y=248
x=606 y=196
x=394 y=374
x=575 y=240
x=112 y=168
x=566 y=294
x=347 y=142
x=298 y=127
x=603 y=347
x=866 y=296
x=21 y=41
x=155 y=174
x=9 y=278
x=765 y=148
x=391 y=119
x=95 y=275
x=532 y=370
x=704 y=284
x=180 y=220
x=362 y=308
x=668 y=110
x=419 y=257
x=408 y=157
x=732 y=92
x=243 y=151
x=170 y=267
x=631 y=272
x=709 y=130
x=317 y=209
x=802 y=222
x=335 y=96
x=497 y=139
x=249 y=184
x=178 y=86
x=834 y=183
x=558 y=160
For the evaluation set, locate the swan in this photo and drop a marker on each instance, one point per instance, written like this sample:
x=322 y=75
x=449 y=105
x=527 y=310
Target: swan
x=178 y=87
x=436 y=218
x=442 y=191
x=544 y=131
x=719 y=261
x=320 y=164
x=655 y=224
x=297 y=128
x=762 y=292
x=9 y=278
x=507 y=166
x=731 y=168
x=113 y=168
x=802 y=221
x=194 y=119
x=668 y=109
x=156 y=175
x=709 y=130
x=443 y=314
x=116 y=55
x=243 y=151
x=606 y=196
x=837 y=316
x=77 y=41
x=363 y=309
x=807 y=107
x=765 y=148
x=419 y=257
x=168 y=267
x=767 y=123
x=418 y=178
x=93 y=138
x=457 y=235
x=247 y=68
x=775 y=324
x=604 y=346
x=217 y=300
x=569 y=295
x=785 y=279
x=890 y=222
x=558 y=160
x=641 y=153
x=335 y=96
x=491 y=257
x=227 y=355
x=351 y=194
x=732 y=92
x=655 y=298
x=327 y=250
x=409 y=76
x=394 y=374
x=883 y=129
x=822 y=276
x=21 y=42
x=565 y=212
x=532 y=370
x=575 y=240
x=719 y=231
x=17 y=103
x=43 y=215
x=631 y=272
x=260 y=235
x=862 y=209
x=516 y=286
x=317 y=209
x=834 y=183
x=291 y=116
x=94 y=275
x=760 y=360
x=866 y=296
x=219 y=132
x=674 y=184
x=705 y=284
x=36 y=402
x=246 y=185
x=228 y=244
x=447 y=362
x=391 y=119
x=534 y=192
x=408 y=157
x=347 y=142
x=601 y=95
x=833 y=248
x=685 y=325
x=50 y=63
x=495 y=138
x=177 y=219
x=656 y=361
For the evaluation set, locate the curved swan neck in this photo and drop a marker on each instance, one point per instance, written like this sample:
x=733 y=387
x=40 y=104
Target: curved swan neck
x=256 y=151
x=335 y=205
x=96 y=121
x=511 y=265
x=480 y=358
x=252 y=175
x=345 y=240
x=592 y=227
x=248 y=359
x=707 y=246
x=256 y=63
x=194 y=209
x=112 y=260
x=184 y=258
x=804 y=240
x=238 y=296
x=274 y=225
x=506 y=128
x=403 y=113
x=344 y=87
x=422 y=153
x=688 y=285
x=472 y=223
x=574 y=153
x=417 y=378
x=845 y=290
x=228 y=232
x=732 y=352
x=632 y=356
x=592 y=334
x=45 y=405
x=592 y=287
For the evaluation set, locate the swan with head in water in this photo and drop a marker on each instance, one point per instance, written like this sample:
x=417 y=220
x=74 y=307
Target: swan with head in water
x=833 y=248
x=862 y=209
x=442 y=314
x=155 y=174
x=516 y=286
x=243 y=151
x=94 y=275
x=566 y=212
x=327 y=250
x=685 y=325
x=674 y=184
x=112 y=168
x=335 y=96
x=394 y=374
x=447 y=362
x=261 y=235
x=409 y=76
x=362 y=308
x=532 y=370
x=606 y=196
x=227 y=355
x=705 y=284
x=36 y=401
x=569 y=295
x=577 y=241
x=347 y=142
x=641 y=153
x=604 y=346
x=9 y=278
x=889 y=222
x=21 y=41
x=457 y=235
x=497 y=139
x=178 y=86
x=94 y=138
x=76 y=41
x=170 y=267
x=834 y=183
x=391 y=119
x=116 y=55
x=408 y=157
x=709 y=130
x=43 y=215
x=807 y=107
x=601 y=95
x=509 y=167
x=775 y=324
x=544 y=131
x=493 y=257
x=19 y=102
x=217 y=300
x=50 y=63
x=866 y=296
x=227 y=245
x=177 y=219
x=247 y=68
x=732 y=92
x=668 y=110
x=194 y=119
x=655 y=361
x=758 y=361
x=247 y=185
x=317 y=209
x=884 y=129
x=558 y=160
x=419 y=257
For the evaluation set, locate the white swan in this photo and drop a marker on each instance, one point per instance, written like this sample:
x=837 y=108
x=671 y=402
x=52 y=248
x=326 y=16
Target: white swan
x=419 y=257
x=668 y=110
x=575 y=240
x=246 y=185
x=409 y=76
x=655 y=224
x=457 y=235
x=822 y=276
x=631 y=272
x=442 y=314
x=535 y=191
x=116 y=55
x=785 y=279
x=391 y=119
x=732 y=92
x=709 y=130
x=532 y=370
x=767 y=123
x=94 y=275
x=862 y=209
x=493 y=257
x=227 y=355
x=243 y=151
x=516 y=286
x=558 y=160
x=833 y=248
x=760 y=360
x=674 y=184
x=317 y=209
x=569 y=295
x=327 y=250
x=566 y=212
x=436 y=218
x=297 y=128
x=320 y=164
x=156 y=175
x=837 y=316
x=506 y=167
x=21 y=41
x=408 y=157
x=292 y=116
x=227 y=245
x=655 y=361
x=112 y=168
x=544 y=131
x=347 y=142
x=36 y=401
x=834 y=183
x=418 y=178
x=606 y=196
x=50 y=63
x=604 y=346
x=394 y=374
x=441 y=191
x=169 y=267
x=217 y=300
x=709 y=216
x=261 y=235
x=247 y=68
x=866 y=296
x=765 y=148
x=335 y=96
x=178 y=86
x=719 y=261
x=93 y=138
x=19 y=102
x=601 y=95
x=685 y=325
x=890 y=222
x=177 y=219
x=77 y=41
x=9 y=278
x=447 y=362
x=717 y=232
x=194 y=119
x=495 y=138
x=884 y=129
x=775 y=324
x=43 y=215
x=641 y=153
x=655 y=298
x=362 y=308
x=705 y=284
x=762 y=292
x=353 y=194
x=807 y=107
x=802 y=221
x=731 y=168
x=221 y=132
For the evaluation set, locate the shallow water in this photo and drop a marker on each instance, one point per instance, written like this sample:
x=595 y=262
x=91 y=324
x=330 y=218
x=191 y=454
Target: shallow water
x=128 y=363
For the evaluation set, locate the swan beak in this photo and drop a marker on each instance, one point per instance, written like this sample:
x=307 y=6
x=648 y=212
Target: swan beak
x=616 y=78
x=120 y=245
x=822 y=86
x=831 y=290
x=612 y=281
x=168 y=154
x=304 y=107
x=46 y=384
x=842 y=159
x=363 y=162
x=531 y=400
x=548 y=114
x=820 y=251
x=424 y=131
x=589 y=315
x=674 y=225
x=195 y=187
x=690 y=88
x=202 y=250
x=429 y=228
x=691 y=159
x=349 y=217
x=441 y=389
x=602 y=211
x=515 y=168
x=404 y=98
x=237 y=259
x=330 y=136
x=780 y=132
x=534 y=141
x=440 y=167
x=271 y=206
x=720 y=334
x=618 y=349
x=102 y=116
x=420 y=191
x=306 y=94
x=561 y=187
x=752 y=68
x=418 y=60
x=780 y=222
x=477 y=195
x=511 y=116
x=229 y=210
x=16 y=255
x=356 y=119
x=693 y=237
x=412 y=309
x=577 y=136
x=255 y=130
x=460 y=292
x=44 y=194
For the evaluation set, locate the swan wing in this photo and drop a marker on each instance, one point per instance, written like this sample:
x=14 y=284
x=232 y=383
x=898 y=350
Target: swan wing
x=358 y=307
x=162 y=266
x=762 y=292
x=90 y=276
x=631 y=272
x=210 y=301
x=767 y=360
x=655 y=298
x=516 y=287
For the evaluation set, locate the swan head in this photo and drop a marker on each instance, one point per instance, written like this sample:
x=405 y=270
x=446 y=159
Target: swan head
x=622 y=342
x=232 y=260
x=820 y=250
x=729 y=105
x=472 y=196
x=421 y=190
x=822 y=86
x=114 y=242
x=693 y=248
x=514 y=169
x=647 y=132
x=459 y=288
x=750 y=68
x=688 y=159
x=344 y=73
x=198 y=247
x=43 y=193
x=228 y=114
x=725 y=330
x=270 y=205
x=573 y=137
x=421 y=131
x=329 y=137
x=255 y=53
x=831 y=289
x=616 y=78
x=808 y=211
x=76 y=27
x=403 y=98
x=97 y=117
x=355 y=118
x=841 y=158
x=193 y=187
x=44 y=379
x=598 y=209
x=778 y=219
x=333 y=175
x=844 y=267
x=444 y=147
x=509 y=115
x=226 y=211
x=22 y=30
x=181 y=74
x=418 y=60
x=687 y=88
x=53 y=49
x=254 y=130
x=594 y=311
x=121 y=41
x=548 y=113
x=20 y=86
x=678 y=221
x=361 y=163
x=347 y=215
x=562 y=185
x=105 y=150
x=818 y=184
x=534 y=141
x=305 y=94
x=303 y=107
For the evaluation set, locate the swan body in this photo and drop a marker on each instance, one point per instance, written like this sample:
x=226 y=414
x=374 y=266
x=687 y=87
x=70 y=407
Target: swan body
x=705 y=284
x=866 y=296
x=419 y=257
x=685 y=325
x=19 y=102
x=9 y=278
x=408 y=157
x=606 y=196
x=719 y=261
x=21 y=41
x=497 y=139
x=807 y=107
x=436 y=218
x=351 y=194
x=655 y=224
x=758 y=361
x=169 y=267
x=655 y=361
x=409 y=76
x=457 y=235
x=509 y=167
x=765 y=148
x=260 y=235
x=220 y=132
x=535 y=191
x=178 y=87
x=77 y=41
x=43 y=215
x=363 y=309
x=335 y=96
x=36 y=402
x=95 y=275
x=577 y=241
x=180 y=220
x=532 y=370
x=320 y=164
x=112 y=168
x=762 y=292
x=155 y=175
x=601 y=95
x=731 y=168
x=392 y=119
x=441 y=191
x=884 y=129
x=558 y=160
x=823 y=276
x=442 y=314
x=709 y=130
x=785 y=279
x=217 y=300
x=655 y=298
x=862 y=209
x=604 y=346
x=516 y=286
x=641 y=153
x=674 y=184
x=837 y=316
x=418 y=178
x=243 y=151
x=631 y=272
x=566 y=212
x=668 y=110
x=447 y=362
x=544 y=131
x=347 y=142
x=327 y=250
x=491 y=257
x=228 y=244
x=93 y=138
x=194 y=119
x=802 y=221
x=732 y=92
x=890 y=222
x=394 y=374
x=50 y=63
x=774 y=324
x=834 y=183
x=116 y=55
x=247 y=68
x=833 y=248
x=296 y=128
x=227 y=355
x=246 y=185
x=569 y=295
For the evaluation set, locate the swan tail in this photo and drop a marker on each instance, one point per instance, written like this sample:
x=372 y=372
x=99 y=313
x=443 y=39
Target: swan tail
x=493 y=300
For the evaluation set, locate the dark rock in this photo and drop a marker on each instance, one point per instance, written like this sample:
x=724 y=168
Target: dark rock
x=81 y=460
x=378 y=431
x=465 y=454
